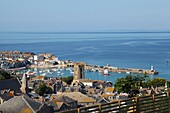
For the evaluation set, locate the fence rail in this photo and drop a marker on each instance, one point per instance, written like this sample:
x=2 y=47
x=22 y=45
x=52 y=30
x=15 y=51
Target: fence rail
x=158 y=103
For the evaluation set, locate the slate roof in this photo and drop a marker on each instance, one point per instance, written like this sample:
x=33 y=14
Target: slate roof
x=63 y=98
x=5 y=97
x=12 y=84
x=20 y=104
x=6 y=94
x=103 y=100
x=57 y=106
x=81 y=98
x=61 y=102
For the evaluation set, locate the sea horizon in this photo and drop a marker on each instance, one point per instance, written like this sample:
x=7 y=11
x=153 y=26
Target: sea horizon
x=126 y=50
x=87 y=31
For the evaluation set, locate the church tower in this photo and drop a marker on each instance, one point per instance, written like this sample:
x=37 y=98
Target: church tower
x=24 y=86
x=79 y=71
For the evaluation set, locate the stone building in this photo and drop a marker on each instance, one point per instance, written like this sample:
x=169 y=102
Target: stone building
x=24 y=86
x=78 y=72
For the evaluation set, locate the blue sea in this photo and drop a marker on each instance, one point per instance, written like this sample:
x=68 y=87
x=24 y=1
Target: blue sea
x=119 y=49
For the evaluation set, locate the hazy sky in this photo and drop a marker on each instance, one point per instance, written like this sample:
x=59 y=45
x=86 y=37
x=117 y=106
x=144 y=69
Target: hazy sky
x=84 y=15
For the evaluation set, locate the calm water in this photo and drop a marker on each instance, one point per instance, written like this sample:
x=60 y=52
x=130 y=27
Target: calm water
x=128 y=50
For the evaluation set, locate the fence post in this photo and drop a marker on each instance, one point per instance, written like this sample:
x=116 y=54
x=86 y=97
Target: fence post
x=153 y=97
x=167 y=94
x=119 y=106
x=100 y=108
x=78 y=110
x=137 y=105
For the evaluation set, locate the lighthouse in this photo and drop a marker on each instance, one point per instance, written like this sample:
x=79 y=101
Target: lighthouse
x=152 y=68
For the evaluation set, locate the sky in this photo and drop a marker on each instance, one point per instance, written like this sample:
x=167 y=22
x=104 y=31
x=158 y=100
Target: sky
x=84 y=15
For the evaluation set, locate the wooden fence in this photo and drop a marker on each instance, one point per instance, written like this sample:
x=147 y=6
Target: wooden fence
x=159 y=103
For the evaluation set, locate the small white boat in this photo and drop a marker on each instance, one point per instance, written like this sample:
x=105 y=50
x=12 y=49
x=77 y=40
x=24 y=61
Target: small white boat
x=40 y=71
x=43 y=74
x=93 y=70
x=128 y=72
x=106 y=72
x=58 y=72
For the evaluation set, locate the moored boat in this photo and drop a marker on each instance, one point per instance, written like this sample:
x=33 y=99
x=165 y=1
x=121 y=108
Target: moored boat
x=128 y=72
x=106 y=72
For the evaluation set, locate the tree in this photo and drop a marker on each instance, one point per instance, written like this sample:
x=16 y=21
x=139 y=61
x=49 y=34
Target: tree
x=68 y=80
x=168 y=83
x=43 y=89
x=130 y=84
x=156 y=82
x=4 y=75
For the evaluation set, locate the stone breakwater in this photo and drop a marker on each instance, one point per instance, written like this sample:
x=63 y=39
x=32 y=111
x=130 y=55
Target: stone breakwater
x=102 y=68
x=115 y=69
x=121 y=70
x=95 y=68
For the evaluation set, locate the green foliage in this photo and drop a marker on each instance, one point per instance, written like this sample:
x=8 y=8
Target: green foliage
x=168 y=90
x=130 y=83
x=168 y=83
x=156 y=82
x=68 y=80
x=43 y=89
x=4 y=75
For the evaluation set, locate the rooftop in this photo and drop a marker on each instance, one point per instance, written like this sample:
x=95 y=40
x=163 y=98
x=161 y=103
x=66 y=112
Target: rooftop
x=20 y=104
x=12 y=84
x=81 y=98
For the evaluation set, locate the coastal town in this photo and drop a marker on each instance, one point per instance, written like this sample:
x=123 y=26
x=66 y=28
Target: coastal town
x=15 y=59
x=41 y=94
x=89 y=56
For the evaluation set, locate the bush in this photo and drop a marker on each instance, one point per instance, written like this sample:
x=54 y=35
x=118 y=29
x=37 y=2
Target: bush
x=43 y=89
x=4 y=75
x=130 y=83
x=156 y=82
x=68 y=80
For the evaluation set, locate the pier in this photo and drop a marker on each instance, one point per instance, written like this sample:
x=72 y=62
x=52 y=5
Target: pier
x=121 y=70
x=114 y=69
x=117 y=69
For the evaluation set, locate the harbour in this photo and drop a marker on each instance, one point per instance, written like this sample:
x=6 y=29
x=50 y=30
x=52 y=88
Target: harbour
x=100 y=69
x=121 y=70
x=129 y=54
x=84 y=56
